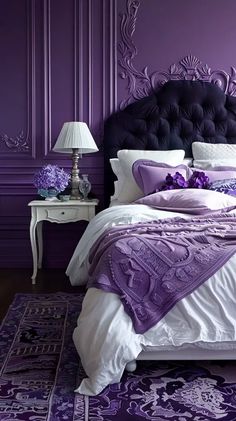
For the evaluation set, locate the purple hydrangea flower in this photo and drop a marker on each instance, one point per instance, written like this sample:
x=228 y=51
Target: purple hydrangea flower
x=51 y=176
x=177 y=181
x=199 y=180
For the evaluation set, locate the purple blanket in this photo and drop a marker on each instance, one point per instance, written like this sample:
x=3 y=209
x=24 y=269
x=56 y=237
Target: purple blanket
x=153 y=265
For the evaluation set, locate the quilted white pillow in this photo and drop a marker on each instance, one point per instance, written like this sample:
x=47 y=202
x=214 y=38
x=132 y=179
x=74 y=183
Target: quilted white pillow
x=128 y=189
x=208 y=164
x=205 y=151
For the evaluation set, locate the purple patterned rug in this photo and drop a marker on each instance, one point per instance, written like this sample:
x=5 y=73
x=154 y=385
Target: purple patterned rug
x=39 y=371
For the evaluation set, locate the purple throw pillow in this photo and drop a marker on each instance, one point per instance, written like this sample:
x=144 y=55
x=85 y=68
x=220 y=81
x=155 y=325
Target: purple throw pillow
x=220 y=173
x=150 y=175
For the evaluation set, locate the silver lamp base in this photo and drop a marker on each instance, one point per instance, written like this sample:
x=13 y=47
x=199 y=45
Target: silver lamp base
x=75 y=175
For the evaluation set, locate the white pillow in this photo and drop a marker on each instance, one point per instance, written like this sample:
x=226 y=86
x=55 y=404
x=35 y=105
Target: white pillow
x=128 y=189
x=115 y=165
x=116 y=168
x=188 y=162
x=211 y=151
x=208 y=164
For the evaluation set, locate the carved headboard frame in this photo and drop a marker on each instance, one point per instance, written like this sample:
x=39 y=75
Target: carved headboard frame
x=142 y=82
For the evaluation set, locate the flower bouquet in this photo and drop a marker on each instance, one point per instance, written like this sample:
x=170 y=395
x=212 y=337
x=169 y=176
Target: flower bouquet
x=177 y=181
x=50 y=181
x=198 y=180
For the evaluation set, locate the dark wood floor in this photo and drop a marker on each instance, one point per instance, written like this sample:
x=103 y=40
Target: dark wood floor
x=19 y=280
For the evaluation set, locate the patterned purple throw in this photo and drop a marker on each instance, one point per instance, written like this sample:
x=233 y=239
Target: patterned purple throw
x=39 y=372
x=152 y=266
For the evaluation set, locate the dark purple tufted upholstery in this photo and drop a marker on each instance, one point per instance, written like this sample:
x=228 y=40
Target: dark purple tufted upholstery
x=178 y=114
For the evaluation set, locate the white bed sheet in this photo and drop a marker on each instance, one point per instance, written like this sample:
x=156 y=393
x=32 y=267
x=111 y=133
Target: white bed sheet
x=105 y=338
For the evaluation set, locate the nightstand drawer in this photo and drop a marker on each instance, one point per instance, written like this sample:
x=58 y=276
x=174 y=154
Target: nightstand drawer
x=66 y=215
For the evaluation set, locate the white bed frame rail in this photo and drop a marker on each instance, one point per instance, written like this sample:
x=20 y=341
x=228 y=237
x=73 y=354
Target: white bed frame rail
x=183 y=355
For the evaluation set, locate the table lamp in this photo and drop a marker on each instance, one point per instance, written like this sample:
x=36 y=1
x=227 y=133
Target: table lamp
x=75 y=138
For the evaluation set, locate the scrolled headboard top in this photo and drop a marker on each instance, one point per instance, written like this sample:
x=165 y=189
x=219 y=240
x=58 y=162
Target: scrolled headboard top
x=175 y=116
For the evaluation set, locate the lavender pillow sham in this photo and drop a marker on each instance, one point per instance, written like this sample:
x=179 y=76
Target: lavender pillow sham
x=193 y=201
x=220 y=173
x=150 y=175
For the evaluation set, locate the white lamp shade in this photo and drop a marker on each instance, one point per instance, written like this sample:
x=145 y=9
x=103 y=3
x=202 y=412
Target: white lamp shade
x=75 y=134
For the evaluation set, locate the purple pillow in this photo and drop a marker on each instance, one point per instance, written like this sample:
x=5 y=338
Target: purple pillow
x=221 y=173
x=193 y=201
x=150 y=175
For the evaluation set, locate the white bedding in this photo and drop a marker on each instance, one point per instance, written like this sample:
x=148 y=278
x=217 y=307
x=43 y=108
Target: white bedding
x=105 y=338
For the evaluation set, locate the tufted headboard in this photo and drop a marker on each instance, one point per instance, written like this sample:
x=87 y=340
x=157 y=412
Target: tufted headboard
x=178 y=114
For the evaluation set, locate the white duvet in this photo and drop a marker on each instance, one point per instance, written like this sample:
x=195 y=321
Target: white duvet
x=104 y=336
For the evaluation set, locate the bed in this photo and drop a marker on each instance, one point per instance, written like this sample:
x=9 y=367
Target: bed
x=202 y=325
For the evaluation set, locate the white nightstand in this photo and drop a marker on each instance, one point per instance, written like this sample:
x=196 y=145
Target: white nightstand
x=58 y=212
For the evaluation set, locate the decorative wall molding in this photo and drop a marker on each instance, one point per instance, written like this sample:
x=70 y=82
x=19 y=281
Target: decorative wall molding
x=47 y=76
x=75 y=58
x=90 y=61
x=21 y=142
x=83 y=56
x=113 y=57
x=84 y=52
x=80 y=63
x=87 y=63
x=143 y=83
x=109 y=65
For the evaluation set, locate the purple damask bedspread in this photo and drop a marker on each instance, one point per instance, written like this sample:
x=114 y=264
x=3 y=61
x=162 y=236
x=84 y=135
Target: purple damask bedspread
x=153 y=265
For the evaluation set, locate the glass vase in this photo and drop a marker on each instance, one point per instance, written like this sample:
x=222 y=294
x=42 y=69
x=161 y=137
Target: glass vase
x=84 y=186
x=48 y=194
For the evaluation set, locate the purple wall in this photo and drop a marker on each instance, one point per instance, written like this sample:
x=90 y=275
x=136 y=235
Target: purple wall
x=65 y=60
x=166 y=31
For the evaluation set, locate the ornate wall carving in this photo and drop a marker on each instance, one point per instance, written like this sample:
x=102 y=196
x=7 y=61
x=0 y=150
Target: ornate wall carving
x=19 y=143
x=143 y=83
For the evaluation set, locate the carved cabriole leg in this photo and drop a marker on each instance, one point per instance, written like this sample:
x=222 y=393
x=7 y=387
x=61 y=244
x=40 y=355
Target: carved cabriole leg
x=33 y=225
x=131 y=366
x=40 y=243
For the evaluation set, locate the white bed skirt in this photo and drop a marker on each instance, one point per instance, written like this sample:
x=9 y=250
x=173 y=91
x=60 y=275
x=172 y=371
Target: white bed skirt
x=189 y=354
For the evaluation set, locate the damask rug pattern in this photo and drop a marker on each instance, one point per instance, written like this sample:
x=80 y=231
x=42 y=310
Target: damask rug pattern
x=39 y=370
